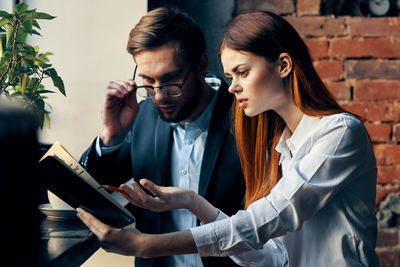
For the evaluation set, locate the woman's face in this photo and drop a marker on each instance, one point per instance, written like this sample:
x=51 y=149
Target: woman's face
x=256 y=83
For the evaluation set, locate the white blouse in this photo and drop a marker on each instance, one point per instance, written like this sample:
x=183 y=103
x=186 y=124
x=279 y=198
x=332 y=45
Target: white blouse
x=320 y=213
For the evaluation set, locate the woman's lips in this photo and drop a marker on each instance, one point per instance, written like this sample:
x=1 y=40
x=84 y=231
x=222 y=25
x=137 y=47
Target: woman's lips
x=242 y=102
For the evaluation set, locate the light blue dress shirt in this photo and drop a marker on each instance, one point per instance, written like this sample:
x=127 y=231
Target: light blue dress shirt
x=320 y=213
x=186 y=158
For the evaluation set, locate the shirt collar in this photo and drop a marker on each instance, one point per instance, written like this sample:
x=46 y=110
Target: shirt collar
x=202 y=121
x=289 y=143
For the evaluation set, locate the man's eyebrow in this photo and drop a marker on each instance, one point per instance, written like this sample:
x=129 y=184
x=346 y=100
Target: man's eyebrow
x=165 y=76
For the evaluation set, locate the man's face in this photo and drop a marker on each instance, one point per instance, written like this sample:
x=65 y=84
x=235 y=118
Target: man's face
x=164 y=65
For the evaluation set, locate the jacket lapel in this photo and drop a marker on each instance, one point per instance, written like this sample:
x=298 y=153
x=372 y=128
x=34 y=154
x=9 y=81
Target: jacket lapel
x=219 y=128
x=162 y=148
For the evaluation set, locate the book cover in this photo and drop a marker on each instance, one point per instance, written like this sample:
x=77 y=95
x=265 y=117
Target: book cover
x=67 y=179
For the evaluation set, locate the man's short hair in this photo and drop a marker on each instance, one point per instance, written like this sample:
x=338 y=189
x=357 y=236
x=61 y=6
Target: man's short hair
x=164 y=26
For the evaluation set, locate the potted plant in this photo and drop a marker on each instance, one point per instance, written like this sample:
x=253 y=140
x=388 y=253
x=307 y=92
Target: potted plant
x=22 y=67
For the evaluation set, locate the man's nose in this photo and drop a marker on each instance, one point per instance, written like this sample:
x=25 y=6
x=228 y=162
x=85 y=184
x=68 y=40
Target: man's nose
x=160 y=95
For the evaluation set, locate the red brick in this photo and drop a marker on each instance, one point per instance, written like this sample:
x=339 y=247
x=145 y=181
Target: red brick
x=389 y=174
x=319 y=26
x=339 y=90
x=387 y=237
x=387 y=154
x=379 y=133
x=375 y=111
x=276 y=6
x=374 y=26
x=396 y=133
x=373 y=69
x=389 y=257
x=318 y=48
x=384 y=47
x=383 y=190
x=329 y=69
x=308 y=7
x=376 y=89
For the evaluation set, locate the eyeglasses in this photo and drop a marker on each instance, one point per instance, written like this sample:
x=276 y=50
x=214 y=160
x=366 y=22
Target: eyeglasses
x=171 y=89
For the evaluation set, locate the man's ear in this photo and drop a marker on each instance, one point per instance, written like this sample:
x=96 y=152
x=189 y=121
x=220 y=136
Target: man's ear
x=203 y=64
x=285 y=65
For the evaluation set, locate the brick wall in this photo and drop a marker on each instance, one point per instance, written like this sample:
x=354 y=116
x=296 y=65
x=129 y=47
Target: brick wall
x=359 y=60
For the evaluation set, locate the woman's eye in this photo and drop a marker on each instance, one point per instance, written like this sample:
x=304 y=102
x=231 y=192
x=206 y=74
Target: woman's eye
x=243 y=73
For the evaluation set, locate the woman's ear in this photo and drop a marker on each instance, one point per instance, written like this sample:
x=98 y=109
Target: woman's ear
x=285 y=65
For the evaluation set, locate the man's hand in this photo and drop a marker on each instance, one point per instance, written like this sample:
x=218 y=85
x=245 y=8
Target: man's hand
x=129 y=241
x=120 y=110
x=163 y=199
x=125 y=241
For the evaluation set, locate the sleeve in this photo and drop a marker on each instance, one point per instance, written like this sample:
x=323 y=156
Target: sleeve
x=337 y=155
x=111 y=167
x=104 y=150
x=272 y=254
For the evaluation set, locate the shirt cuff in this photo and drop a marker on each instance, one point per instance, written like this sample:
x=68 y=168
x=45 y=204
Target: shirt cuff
x=104 y=150
x=204 y=237
x=220 y=216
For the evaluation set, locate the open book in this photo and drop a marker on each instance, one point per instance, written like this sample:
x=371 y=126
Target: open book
x=67 y=179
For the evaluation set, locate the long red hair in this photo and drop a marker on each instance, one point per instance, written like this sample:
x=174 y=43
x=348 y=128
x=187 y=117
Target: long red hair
x=268 y=35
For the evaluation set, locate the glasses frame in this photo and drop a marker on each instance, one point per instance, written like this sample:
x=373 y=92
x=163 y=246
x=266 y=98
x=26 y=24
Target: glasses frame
x=179 y=85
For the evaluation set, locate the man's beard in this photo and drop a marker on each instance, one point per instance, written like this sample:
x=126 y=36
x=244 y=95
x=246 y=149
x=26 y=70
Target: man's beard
x=182 y=111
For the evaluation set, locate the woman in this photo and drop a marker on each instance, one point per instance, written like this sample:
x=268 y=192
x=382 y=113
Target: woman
x=309 y=166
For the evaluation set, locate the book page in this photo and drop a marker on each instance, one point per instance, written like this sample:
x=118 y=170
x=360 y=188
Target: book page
x=59 y=152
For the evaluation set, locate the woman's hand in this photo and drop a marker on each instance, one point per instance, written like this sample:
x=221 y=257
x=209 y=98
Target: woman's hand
x=163 y=199
x=168 y=198
x=125 y=241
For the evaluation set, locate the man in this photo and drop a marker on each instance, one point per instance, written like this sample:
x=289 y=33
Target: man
x=179 y=135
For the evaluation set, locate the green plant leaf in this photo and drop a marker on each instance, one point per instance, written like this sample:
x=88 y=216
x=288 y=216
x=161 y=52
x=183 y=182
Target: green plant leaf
x=47 y=119
x=10 y=35
x=39 y=103
x=24 y=83
x=5 y=14
x=36 y=33
x=27 y=26
x=35 y=23
x=33 y=84
x=58 y=82
x=44 y=65
x=21 y=7
x=4 y=21
x=41 y=15
x=22 y=37
x=45 y=92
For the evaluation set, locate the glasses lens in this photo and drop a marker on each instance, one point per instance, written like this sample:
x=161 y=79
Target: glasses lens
x=172 y=90
x=144 y=92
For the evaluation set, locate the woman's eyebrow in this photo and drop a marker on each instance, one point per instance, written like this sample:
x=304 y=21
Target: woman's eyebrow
x=235 y=69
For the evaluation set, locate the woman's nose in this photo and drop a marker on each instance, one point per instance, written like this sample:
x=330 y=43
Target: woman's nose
x=234 y=88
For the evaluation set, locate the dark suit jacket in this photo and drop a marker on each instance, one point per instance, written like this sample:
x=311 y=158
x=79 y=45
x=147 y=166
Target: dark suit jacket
x=145 y=154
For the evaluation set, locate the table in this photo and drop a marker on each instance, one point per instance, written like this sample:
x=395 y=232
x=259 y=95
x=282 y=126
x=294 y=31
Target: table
x=64 y=243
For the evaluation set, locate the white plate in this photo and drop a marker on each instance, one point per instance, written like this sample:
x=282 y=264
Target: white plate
x=57 y=214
